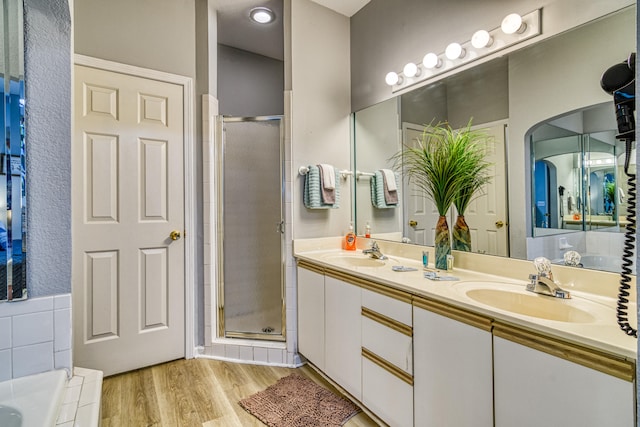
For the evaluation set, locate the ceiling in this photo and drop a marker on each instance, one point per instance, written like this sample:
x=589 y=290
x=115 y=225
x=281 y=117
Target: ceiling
x=345 y=7
x=235 y=29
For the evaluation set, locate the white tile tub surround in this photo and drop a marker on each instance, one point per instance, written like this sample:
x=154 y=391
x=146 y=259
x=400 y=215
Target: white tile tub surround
x=35 y=336
x=36 y=397
x=236 y=350
x=81 y=404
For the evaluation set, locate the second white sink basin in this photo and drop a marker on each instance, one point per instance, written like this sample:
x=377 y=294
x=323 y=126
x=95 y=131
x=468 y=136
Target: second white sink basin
x=530 y=304
x=515 y=299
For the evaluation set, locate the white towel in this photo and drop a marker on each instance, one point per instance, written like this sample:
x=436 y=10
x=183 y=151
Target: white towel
x=390 y=177
x=328 y=177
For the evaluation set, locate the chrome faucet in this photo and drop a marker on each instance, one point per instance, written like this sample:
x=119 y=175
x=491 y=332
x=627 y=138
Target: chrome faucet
x=374 y=251
x=543 y=283
x=545 y=286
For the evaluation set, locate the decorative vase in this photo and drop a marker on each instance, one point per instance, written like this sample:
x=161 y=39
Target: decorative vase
x=443 y=243
x=461 y=235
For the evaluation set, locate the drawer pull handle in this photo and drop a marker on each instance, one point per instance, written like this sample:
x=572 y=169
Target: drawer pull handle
x=387 y=366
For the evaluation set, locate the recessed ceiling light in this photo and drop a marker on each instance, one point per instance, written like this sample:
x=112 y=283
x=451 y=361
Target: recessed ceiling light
x=262 y=15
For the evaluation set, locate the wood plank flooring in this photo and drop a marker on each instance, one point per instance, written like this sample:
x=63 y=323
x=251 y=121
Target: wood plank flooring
x=195 y=392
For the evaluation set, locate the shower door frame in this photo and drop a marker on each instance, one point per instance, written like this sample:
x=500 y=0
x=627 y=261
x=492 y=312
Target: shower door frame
x=219 y=155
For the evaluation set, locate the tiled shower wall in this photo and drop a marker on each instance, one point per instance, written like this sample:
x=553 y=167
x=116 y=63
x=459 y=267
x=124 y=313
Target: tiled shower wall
x=35 y=336
x=273 y=353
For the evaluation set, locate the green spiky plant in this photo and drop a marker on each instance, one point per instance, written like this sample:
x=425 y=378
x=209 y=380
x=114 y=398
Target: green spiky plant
x=444 y=164
x=610 y=193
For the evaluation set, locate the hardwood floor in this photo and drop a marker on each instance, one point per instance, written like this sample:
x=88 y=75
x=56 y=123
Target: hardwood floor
x=196 y=392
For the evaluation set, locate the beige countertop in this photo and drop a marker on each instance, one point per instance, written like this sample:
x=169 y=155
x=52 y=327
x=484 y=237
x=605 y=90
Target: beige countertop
x=592 y=291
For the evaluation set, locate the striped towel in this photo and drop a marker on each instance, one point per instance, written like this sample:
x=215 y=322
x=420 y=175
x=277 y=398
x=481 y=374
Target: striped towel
x=312 y=197
x=376 y=184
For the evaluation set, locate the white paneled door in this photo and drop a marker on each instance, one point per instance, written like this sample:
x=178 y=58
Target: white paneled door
x=486 y=215
x=422 y=214
x=128 y=221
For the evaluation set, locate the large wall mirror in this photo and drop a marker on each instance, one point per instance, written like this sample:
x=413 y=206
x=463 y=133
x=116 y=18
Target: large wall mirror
x=579 y=143
x=13 y=283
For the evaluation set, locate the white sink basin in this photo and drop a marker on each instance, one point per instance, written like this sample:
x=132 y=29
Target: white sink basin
x=515 y=299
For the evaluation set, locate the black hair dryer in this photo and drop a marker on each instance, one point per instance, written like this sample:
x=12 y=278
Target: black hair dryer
x=620 y=81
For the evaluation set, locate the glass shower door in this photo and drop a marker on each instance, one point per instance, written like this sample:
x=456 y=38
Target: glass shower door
x=252 y=289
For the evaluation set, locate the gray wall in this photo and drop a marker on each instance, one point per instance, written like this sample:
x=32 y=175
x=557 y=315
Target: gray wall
x=249 y=84
x=48 y=133
x=385 y=35
x=156 y=34
x=481 y=93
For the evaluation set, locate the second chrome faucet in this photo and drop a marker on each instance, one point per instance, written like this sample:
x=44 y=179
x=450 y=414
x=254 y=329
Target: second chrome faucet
x=543 y=283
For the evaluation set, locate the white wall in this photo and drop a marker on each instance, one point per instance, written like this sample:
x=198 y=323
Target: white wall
x=320 y=110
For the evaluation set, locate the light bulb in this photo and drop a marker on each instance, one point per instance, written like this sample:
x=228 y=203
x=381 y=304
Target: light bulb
x=454 y=51
x=431 y=60
x=392 y=78
x=480 y=39
x=411 y=70
x=262 y=15
x=512 y=24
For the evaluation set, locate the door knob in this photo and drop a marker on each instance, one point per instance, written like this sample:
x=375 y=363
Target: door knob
x=174 y=235
x=413 y=223
x=499 y=224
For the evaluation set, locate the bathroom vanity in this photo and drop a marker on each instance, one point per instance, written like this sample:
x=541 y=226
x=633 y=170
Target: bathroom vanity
x=478 y=351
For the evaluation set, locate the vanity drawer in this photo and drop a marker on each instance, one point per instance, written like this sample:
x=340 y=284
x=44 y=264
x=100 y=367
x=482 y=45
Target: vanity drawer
x=387 y=393
x=388 y=339
x=388 y=306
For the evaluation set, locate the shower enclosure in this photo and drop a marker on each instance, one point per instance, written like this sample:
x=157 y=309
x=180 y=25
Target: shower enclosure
x=251 y=228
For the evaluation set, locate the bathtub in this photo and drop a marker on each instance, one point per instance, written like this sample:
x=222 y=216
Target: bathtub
x=32 y=401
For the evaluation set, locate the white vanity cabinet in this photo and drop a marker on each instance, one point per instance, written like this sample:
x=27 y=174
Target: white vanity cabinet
x=311 y=342
x=453 y=384
x=387 y=355
x=342 y=334
x=535 y=384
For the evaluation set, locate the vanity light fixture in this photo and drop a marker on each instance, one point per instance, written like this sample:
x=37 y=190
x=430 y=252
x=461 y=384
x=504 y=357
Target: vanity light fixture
x=411 y=70
x=513 y=30
x=392 y=78
x=431 y=60
x=262 y=15
x=513 y=24
x=481 y=38
x=454 y=51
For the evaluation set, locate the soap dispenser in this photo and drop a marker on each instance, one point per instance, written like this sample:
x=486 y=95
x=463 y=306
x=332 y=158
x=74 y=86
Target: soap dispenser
x=350 y=239
x=367 y=230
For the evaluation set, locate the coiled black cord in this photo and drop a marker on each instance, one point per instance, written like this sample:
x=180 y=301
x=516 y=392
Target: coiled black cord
x=627 y=253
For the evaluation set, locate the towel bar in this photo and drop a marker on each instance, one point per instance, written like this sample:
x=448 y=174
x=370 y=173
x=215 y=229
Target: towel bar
x=359 y=174
x=303 y=170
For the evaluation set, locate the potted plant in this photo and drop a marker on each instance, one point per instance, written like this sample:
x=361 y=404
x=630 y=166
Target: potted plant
x=447 y=165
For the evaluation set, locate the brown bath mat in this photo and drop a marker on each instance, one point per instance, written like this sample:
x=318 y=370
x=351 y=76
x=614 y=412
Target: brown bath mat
x=296 y=401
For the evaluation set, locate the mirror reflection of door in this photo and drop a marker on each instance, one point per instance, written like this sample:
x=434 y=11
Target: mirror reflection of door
x=486 y=214
x=421 y=213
